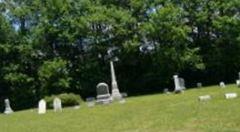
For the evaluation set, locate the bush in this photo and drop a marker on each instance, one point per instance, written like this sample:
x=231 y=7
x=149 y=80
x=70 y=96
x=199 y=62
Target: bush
x=68 y=99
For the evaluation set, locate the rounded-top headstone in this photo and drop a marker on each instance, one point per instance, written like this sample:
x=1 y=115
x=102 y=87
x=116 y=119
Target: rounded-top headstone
x=222 y=85
x=57 y=104
x=102 y=88
x=42 y=106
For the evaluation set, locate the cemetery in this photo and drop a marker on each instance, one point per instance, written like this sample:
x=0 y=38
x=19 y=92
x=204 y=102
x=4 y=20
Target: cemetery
x=119 y=66
x=159 y=112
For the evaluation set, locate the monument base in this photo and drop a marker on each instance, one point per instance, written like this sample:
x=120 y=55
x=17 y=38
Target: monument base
x=116 y=94
x=104 y=99
x=8 y=111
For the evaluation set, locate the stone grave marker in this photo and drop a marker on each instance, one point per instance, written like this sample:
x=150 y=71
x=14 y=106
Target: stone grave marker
x=204 y=98
x=222 y=85
x=57 y=104
x=238 y=83
x=199 y=85
x=103 y=95
x=178 y=88
x=42 y=106
x=166 y=91
x=8 y=109
x=124 y=95
x=231 y=95
x=182 y=83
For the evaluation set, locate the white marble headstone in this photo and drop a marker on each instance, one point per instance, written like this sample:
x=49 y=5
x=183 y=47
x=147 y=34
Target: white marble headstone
x=230 y=95
x=42 y=106
x=238 y=83
x=8 y=109
x=204 y=98
x=57 y=104
x=222 y=85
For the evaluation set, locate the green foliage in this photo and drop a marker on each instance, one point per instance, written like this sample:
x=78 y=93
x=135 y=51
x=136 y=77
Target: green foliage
x=54 y=76
x=68 y=99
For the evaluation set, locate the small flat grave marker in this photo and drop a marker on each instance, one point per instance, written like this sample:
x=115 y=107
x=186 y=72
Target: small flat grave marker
x=231 y=95
x=204 y=98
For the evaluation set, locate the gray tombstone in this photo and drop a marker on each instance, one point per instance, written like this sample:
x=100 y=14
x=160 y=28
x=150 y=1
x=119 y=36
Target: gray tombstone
x=199 y=85
x=178 y=88
x=222 y=85
x=57 y=104
x=182 y=83
x=166 y=91
x=103 y=95
x=42 y=107
x=8 y=109
x=124 y=95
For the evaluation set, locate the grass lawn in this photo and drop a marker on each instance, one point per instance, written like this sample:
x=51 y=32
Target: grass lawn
x=153 y=113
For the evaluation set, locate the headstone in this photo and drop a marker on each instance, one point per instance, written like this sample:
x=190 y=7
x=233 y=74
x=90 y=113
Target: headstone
x=166 y=91
x=42 y=106
x=90 y=101
x=8 y=109
x=199 y=85
x=222 y=85
x=178 y=88
x=103 y=95
x=238 y=83
x=124 y=95
x=115 y=91
x=57 y=104
x=230 y=95
x=204 y=98
x=182 y=83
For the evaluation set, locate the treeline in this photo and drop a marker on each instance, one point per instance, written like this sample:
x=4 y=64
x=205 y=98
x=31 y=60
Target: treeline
x=57 y=46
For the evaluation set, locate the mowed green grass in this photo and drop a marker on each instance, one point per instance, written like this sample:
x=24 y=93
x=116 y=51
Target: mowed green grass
x=152 y=113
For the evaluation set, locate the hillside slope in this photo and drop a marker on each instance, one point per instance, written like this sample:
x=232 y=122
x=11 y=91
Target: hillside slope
x=153 y=113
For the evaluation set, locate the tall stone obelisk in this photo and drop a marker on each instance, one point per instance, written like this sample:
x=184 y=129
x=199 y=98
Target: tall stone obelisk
x=115 y=91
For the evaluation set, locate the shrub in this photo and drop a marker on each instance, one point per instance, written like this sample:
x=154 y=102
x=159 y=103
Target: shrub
x=68 y=99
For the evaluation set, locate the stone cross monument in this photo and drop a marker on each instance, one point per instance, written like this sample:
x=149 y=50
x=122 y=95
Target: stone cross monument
x=115 y=91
